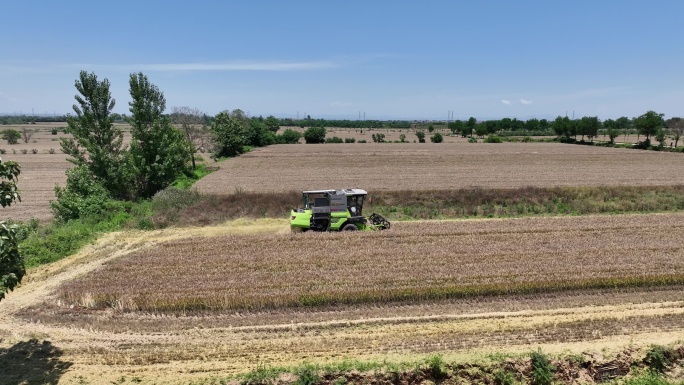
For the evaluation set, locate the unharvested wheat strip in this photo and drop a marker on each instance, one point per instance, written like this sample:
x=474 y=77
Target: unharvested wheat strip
x=411 y=262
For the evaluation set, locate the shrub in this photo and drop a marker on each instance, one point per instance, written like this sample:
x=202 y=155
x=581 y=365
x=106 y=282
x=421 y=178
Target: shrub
x=526 y=139
x=168 y=203
x=472 y=140
x=658 y=358
x=421 y=136
x=402 y=138
x=362 y=141
x=437 y=138
x=24 y=151
x=493 y=138
x=314 y=135
x=34 y=151
x=503 y=377
x=11 y=135
x=307 y=375
x=542 y=370
x=436 y=366
x=2 y=151
x=349 y=140
x=53 y=131
x=334 y=139
x=289 y=136
x=51 y=151
x=82 y=196
x=378 y=138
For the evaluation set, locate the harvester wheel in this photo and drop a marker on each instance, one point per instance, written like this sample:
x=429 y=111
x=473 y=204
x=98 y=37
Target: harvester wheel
x=350 y=227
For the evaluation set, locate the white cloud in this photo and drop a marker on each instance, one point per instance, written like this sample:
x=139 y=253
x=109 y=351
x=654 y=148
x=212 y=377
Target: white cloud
x=231 y=66
x=525 y=102
x=506 y=102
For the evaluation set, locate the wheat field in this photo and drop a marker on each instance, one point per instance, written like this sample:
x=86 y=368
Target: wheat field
x=445 y=166
x=413 y=261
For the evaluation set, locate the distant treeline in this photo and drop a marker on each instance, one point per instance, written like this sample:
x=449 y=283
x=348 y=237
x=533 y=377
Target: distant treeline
x=29 y=119
x=308 y=122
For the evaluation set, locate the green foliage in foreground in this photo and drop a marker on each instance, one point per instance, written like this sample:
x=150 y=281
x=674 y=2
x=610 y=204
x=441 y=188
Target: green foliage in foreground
x=542 y=370
x=432 y=368
x=186 y=180
x=52 y=242
x=12 y=268
x=58 y=240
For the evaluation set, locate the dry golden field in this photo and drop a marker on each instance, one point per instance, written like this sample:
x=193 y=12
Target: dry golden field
x=42 y=171
x=394 y=166
x=259 y=262
x=390 y=166
x=414 y=261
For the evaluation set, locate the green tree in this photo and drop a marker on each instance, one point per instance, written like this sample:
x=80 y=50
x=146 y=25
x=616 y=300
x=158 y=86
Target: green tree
x=258 y=134
x=456 y=127
x=437 y=138
x=96 y=142
x=561 y=126
x=676 y=126
x=12 y=267
x=612 y=132
x=421 y=136
x=289 y=136
x=532 y=125
x=378 y=138
x=661 y=137
x=481 y=130
x=272 y=123
x=229 y=135
x=589 y=126
x=314 y=135
x=11 y=135
x=469 y=127
x=159 y=152
x=648 y=124
x=623 y=124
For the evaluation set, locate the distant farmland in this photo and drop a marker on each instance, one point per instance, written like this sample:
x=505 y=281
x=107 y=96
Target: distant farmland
x=393 y=166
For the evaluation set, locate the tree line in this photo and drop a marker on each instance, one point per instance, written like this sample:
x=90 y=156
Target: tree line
x=650 y=124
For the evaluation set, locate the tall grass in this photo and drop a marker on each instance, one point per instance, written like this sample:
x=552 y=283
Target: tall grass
x=443 y=204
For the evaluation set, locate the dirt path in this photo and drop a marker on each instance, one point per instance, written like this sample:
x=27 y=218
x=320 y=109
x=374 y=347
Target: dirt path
x=109 y=346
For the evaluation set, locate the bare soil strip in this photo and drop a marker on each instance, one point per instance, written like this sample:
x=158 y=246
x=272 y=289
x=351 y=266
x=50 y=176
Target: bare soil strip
x=100 y=346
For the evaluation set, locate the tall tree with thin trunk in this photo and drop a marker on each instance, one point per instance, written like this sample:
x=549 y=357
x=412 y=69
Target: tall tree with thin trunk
x=191 y=122
x=159 y=152
x=676 y=126
x=96 y=142
x=649 y=123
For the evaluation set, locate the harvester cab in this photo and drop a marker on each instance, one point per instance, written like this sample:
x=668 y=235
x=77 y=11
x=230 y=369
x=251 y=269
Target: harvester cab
x=335 y=210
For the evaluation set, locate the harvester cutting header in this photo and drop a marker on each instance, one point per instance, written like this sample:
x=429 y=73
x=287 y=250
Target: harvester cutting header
x=335 y=210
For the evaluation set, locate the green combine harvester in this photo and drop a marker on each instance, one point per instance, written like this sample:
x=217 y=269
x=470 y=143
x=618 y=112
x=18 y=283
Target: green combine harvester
x=335 y=210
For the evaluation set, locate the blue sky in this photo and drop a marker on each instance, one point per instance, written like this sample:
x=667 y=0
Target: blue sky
x=389 y=59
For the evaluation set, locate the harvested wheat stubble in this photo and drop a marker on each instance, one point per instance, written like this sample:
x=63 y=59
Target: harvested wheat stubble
x=413 y=261
x=39 y=175
x=440 y=166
